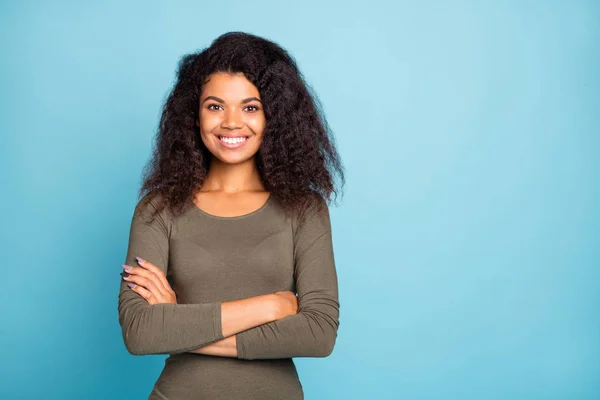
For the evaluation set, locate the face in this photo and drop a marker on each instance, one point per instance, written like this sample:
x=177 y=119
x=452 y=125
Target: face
x=231 y=117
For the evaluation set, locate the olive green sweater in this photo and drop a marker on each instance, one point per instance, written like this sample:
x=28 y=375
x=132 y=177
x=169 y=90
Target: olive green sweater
x=210 y=259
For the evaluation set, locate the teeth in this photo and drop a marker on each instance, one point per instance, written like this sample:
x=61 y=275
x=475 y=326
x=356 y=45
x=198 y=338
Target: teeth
x=232 y=140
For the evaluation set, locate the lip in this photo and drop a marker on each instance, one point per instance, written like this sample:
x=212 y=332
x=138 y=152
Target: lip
x=232 y=145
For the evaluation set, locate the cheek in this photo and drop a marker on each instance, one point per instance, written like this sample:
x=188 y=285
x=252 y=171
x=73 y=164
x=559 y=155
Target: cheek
x=208 y=122
x=257 y=125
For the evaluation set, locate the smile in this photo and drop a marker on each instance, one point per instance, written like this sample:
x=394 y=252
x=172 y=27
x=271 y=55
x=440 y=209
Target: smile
x=233 y=142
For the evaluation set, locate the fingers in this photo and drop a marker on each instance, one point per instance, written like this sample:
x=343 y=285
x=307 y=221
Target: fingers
x=151 y=280
x=143 y=282
x=157 y=271
x=148 y=290
x=146 y=294
x=145 y=278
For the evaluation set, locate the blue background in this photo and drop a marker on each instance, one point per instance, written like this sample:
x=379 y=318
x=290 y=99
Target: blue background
x=467 y=243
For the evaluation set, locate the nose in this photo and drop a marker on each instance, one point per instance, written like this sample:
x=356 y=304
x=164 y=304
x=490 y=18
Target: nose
x=232 y=119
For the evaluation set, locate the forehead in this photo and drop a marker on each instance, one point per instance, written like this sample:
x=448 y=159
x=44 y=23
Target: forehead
x=227 y=85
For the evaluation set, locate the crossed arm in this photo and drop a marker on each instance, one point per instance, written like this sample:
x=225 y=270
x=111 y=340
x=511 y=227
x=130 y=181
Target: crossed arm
x=150 y=283
x=266 y=326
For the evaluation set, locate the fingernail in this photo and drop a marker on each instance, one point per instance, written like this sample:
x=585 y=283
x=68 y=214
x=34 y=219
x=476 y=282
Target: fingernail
x=140 y=260
x=127 y=267
x=124 y=274
x=131 y=285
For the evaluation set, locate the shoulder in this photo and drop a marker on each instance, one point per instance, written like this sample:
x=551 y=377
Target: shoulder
x=149 y=203
x=152 y=209
x=313 y=214
x=316 y=205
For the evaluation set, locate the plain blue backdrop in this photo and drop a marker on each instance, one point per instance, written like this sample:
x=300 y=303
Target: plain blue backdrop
x=467 y=242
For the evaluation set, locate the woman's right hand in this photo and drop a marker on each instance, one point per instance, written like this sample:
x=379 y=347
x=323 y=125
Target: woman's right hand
x=286 y=304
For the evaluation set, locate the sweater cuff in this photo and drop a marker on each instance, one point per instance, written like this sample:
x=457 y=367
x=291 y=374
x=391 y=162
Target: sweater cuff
x=218 y=328
x=240 y=346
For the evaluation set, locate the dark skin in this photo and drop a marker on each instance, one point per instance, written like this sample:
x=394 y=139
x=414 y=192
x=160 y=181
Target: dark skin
x=229 y=106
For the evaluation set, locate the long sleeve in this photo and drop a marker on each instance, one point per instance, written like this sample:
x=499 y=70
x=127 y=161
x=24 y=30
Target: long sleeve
x=311 y=332
x=161 y=328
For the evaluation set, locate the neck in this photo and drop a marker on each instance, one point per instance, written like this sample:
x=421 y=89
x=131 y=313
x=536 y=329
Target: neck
x=232 y=178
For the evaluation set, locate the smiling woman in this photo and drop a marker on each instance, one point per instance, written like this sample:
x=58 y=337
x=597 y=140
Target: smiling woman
x=230 y=267
x=227 y=123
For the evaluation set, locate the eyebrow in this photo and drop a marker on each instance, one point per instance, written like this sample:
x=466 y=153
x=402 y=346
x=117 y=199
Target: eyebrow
x=215 y=98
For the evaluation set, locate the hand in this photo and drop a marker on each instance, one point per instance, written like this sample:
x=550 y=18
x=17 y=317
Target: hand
x=150 y=282
x=286 y=304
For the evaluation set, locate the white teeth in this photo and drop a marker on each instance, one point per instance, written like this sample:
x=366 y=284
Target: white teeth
x=232 y=140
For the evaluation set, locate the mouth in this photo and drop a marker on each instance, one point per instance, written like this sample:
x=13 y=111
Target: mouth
x=232 y=142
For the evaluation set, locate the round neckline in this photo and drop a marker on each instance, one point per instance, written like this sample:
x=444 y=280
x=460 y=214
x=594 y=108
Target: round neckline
x=251 y=213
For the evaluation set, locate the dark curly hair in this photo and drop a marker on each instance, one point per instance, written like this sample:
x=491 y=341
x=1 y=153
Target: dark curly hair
x=297 y=160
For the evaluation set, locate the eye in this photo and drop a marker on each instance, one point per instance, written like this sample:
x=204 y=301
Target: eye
x=211 y=105
x=253 y=108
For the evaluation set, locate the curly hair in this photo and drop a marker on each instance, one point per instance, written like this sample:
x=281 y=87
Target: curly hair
x=297 y=159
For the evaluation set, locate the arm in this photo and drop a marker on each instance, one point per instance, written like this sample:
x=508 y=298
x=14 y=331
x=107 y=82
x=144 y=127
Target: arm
x=311 y=332
x=223 y=348
x=286 y=303
x=176 y=328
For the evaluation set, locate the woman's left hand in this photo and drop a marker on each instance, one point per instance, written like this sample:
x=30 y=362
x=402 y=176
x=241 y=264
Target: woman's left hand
x=150 y=282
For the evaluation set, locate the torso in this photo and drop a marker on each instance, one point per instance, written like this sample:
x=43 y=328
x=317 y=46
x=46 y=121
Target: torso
x=229 y=248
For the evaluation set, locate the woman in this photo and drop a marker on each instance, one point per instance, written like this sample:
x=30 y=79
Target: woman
x=230 y=265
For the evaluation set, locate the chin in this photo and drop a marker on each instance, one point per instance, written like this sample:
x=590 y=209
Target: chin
x=233 y=159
